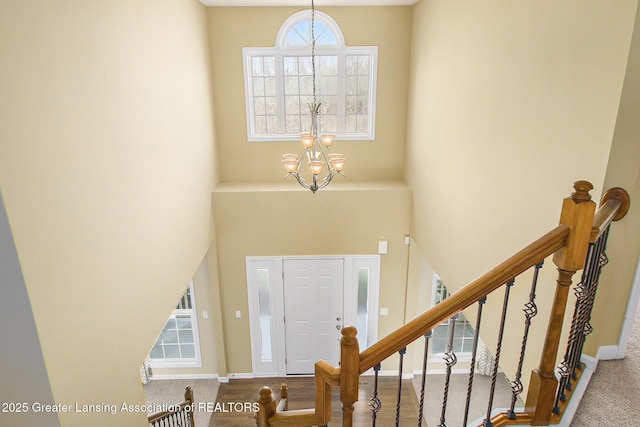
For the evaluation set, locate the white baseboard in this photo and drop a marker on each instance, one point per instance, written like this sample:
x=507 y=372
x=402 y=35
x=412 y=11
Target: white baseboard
x=240 y=375
x=391 y=373
x=608 y=352
x=185 y=377
x=589 y=361
x=576 y=397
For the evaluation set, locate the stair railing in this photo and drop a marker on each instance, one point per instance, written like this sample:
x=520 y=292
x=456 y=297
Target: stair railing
x=581 y=235
x=179 y=415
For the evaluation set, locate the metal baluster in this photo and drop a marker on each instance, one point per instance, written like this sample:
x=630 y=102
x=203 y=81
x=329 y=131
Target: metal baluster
x=585 y=293
x=530 y=310
x=401 y=353
x=427 y=337
x=374 y=402
x=496 y=362
x=450 y=359
x=600 y=260
x=476 y=339
x=585 y=297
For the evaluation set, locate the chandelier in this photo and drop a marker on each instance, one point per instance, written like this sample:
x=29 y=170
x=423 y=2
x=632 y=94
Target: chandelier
x=316 y=146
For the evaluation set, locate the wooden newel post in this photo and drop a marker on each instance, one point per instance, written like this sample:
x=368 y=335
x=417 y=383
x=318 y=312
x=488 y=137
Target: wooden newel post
x=577 y=214
x=267 y=407
x=349 y=373
x=188 y=397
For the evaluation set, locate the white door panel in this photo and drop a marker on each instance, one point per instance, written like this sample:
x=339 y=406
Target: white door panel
x=313 y=301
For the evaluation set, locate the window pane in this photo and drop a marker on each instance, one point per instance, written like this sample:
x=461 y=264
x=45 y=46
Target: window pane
x=185 y=336
x=467 y=347
x=291 y=85
x=270 y=86
x=438 y=345
x=187 y=351
x=156 y=352
x=257 y=66
x=265 y=313
x=170 y=336
x=184 y=322
x=171 y=351
x=363 y=306
x=269 y=68
x=171 y=324
x=304 y=66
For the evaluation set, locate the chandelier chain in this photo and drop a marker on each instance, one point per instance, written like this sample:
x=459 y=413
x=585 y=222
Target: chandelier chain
x=313 y=48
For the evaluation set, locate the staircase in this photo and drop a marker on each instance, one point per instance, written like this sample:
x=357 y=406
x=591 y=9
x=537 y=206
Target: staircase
x=577 y=243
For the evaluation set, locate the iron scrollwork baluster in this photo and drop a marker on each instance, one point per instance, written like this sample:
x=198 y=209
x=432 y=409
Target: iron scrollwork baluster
x=450 y=360
x=476 y=340
x=487 y=421
x=374 y=403
x=401 y=353
x=427 y=337
x=530 y=311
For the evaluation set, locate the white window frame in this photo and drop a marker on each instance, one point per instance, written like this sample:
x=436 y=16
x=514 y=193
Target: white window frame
x=280 y=50
x=195 y=362
x=277 y=366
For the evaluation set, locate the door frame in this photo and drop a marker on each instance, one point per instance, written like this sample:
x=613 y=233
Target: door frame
x=274 y=265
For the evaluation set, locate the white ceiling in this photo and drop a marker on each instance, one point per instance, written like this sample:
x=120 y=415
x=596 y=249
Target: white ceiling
x=308 y=2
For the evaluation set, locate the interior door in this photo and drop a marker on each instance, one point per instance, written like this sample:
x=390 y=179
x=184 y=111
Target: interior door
x=313 y=306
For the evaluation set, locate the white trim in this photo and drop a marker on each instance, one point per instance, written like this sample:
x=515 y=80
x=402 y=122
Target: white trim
x=630 y=314
x=260 y=366
x=608 y=352
x=277 y=367
x=305 y=15
x=589 y=361
x=394 y=373
x=240 y=375
x=195 y=362
x=185 y=377
x=340 y=50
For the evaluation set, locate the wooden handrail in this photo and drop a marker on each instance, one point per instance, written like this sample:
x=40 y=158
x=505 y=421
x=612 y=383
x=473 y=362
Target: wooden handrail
x=458 y=301
x=567 y=242
x=613 y=207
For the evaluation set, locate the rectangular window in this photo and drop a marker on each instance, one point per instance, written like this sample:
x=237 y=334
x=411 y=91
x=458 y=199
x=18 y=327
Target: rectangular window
x=279 y=88
x=178 y=344
x=362 y=314
x=265 y=314
x=463 y=332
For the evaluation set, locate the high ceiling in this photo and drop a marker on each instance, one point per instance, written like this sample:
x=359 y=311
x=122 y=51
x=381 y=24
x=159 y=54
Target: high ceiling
x=308 y=2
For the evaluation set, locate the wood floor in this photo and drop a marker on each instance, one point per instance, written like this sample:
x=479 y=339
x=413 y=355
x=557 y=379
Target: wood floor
x=302 y=395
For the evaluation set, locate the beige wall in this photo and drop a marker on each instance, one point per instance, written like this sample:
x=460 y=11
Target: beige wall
x=233 y=28
x=106 y=168
x=272 y=221
x=624 y=242
x=510 y=103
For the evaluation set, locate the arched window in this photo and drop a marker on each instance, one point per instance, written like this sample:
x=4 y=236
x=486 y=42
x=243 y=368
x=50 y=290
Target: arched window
x=279 y=83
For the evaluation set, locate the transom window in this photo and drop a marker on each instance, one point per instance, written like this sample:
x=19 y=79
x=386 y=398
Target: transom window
x=279 y=83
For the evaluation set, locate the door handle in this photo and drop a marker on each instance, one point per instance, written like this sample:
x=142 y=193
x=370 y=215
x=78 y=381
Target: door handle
x=338 y=327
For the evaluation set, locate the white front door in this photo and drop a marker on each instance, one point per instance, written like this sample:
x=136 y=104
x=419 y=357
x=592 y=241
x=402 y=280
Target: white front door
x=313 y=306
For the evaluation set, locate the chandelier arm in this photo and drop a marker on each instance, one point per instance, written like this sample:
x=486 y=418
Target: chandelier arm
x=301 y=180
